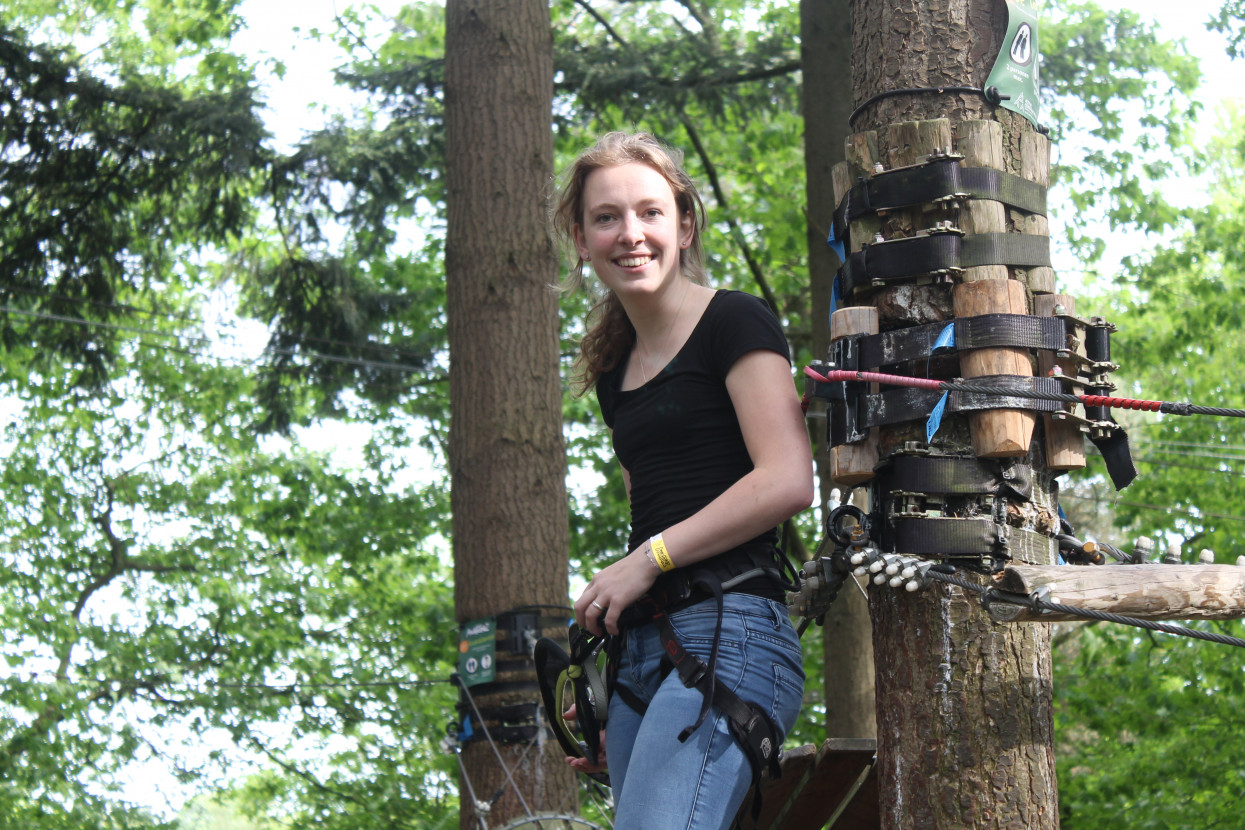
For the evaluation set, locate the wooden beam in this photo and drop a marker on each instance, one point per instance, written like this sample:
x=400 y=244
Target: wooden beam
x=1148 y=592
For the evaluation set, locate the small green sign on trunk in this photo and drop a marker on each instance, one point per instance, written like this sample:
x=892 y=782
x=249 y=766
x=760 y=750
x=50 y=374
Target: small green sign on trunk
x=1015 y=72
x=476 y=650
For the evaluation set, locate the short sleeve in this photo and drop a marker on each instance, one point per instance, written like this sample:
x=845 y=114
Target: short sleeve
x=744 y=323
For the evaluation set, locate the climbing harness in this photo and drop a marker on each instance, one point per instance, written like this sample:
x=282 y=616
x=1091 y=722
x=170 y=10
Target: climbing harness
x=580 y=670
x=749 y=724
x=579 y=674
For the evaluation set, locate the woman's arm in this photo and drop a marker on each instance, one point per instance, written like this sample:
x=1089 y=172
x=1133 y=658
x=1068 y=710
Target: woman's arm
x=779 y=485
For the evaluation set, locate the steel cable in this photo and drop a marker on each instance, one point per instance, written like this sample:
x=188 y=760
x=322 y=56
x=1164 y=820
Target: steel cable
x=989 y=595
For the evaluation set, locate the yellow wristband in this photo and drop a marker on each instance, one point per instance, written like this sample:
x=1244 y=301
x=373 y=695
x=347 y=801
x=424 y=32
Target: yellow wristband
x=658 y=546
x=648 y=554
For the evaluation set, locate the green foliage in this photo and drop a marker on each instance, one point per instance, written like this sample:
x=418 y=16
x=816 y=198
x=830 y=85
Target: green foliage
x=1142 y=721
x=1141 y=718
x=1180 y=318
x=1229 y=20
x=169 y=575
x=1107 y=75
x=99 y=185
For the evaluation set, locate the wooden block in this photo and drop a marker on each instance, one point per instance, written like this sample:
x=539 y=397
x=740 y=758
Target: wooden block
x=998 y=433
x=1034 y=166
x=1148 y=592
x=981 y=144
x=1065 y=443
x=853 y=464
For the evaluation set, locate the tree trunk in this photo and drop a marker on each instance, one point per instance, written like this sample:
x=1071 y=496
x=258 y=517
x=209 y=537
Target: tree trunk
x=506 y=453
x=826 y=38
x=964 y=705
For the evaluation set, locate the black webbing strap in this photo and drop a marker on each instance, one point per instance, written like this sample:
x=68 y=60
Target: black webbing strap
x=940 y=537
x=961 y=476
x=1116 y=454
x=987 y=331
x=896 y=260
x=901 y=404
x=939 y=180
x=749 y=724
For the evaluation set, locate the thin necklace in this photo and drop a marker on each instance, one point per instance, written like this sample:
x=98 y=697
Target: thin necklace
x=669 y=331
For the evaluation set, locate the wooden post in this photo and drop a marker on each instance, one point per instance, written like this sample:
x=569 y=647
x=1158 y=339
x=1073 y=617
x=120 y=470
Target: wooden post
x=998 y=433
x=825 y=59
x=1034 y=166
x=1065 y=443
x=1148 y=592
x=986 y=289
x=853 y=464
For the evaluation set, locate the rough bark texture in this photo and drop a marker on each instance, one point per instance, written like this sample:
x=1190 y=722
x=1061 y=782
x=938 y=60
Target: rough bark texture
x=507 y=458
x=826 y=38
x=964 y=704
x=964 y=713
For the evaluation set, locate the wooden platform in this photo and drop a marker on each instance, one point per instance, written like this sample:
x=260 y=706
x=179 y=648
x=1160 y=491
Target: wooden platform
x=834 y=786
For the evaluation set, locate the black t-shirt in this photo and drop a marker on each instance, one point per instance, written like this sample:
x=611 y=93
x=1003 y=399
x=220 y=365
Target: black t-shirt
x=678 y=435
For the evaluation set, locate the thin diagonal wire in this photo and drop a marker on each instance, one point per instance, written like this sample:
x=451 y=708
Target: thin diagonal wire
x=496 y=751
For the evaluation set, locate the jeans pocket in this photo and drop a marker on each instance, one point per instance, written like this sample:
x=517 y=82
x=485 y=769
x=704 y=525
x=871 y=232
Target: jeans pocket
x=788 y=697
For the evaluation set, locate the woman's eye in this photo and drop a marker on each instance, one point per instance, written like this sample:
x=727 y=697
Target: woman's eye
x=604 y=217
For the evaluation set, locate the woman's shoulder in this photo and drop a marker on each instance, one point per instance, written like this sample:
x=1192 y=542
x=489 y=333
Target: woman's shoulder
x=731 y=309
x=731 y=301
x=740 y=322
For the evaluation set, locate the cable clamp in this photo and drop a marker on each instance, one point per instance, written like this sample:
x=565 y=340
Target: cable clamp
x=1039 y=598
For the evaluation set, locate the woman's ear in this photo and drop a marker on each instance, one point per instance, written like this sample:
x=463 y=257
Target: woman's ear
x=581 y=248
x=686 y=227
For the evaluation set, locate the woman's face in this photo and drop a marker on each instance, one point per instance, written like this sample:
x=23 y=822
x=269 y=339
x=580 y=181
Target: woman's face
x=632 y=231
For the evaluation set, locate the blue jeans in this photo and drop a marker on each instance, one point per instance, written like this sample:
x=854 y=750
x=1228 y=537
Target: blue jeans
x=698 y=784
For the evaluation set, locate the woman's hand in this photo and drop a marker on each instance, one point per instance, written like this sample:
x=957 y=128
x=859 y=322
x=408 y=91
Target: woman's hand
x=583 y=764
x=614 y=588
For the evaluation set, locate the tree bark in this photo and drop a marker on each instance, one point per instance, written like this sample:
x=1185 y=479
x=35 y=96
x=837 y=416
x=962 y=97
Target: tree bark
x=826 y=39
x=506 y=450
x=964 y=705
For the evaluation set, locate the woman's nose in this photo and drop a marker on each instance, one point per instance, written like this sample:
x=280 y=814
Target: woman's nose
x=631 y=232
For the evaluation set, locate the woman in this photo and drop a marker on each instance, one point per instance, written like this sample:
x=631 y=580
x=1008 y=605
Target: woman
x=695 y=385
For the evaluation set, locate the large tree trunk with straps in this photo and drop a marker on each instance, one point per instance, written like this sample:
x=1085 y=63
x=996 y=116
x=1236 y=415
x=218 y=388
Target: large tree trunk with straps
x=825 y=56
x=965 y=725
x=507 y=459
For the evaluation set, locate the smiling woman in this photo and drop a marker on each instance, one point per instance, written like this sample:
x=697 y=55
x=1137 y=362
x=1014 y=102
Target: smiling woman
x=696 y=386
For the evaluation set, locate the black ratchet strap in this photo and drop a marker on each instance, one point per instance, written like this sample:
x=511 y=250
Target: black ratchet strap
x=939 y=252
x=944 y=538
x=941 y=179
x=956 y=476
x=1111 y=442
x=900 y=404
x=874 y=352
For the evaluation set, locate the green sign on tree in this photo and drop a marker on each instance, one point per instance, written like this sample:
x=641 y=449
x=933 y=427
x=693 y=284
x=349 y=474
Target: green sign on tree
x=476 y=647
x=1015 y=72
